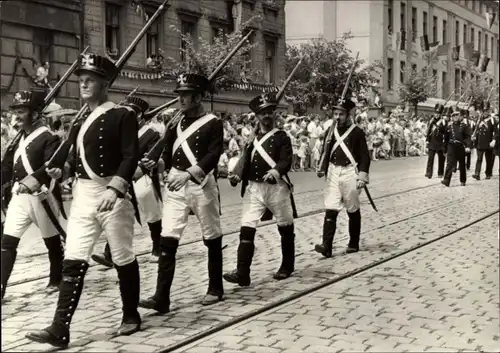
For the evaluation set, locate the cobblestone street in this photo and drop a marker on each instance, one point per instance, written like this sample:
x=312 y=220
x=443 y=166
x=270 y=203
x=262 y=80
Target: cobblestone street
x=441 y=297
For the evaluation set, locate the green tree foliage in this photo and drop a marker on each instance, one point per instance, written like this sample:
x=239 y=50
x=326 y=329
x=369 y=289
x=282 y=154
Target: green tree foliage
x=322 y=75
x=202 y=56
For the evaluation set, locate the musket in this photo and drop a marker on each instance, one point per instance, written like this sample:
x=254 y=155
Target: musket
x=212 y=76
x=47 y=100
x=155 y=151
x=131 y=94
x=61 y=154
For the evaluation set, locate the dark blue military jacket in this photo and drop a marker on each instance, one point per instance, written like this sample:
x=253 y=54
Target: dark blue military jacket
x=485 y=133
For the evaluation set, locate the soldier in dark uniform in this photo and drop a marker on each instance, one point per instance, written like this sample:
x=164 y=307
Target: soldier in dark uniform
x=457 y=138
x=193 y=145
x=266 y=186
x=106 y=156
x=146 y=183
x=22 y=165
x=435 y=140
x=496 y=149
x=345 y=161
x=472 y=125
x=484 y=140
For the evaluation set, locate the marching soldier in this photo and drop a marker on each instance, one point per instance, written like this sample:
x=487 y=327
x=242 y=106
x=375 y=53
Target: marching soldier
x=266 y=189
x=24 y=165
x=435 y=140
x=471 y=125
x=146 y=183
x=484 y=139
x=497 y=138
x=106 y=156
x=344 y=154
x=193 y=145
x=457 y=138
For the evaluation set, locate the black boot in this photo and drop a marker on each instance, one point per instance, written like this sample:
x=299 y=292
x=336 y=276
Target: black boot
x=8 y=258
x=70 y=291
x=287 y=252
x=105 y=258
x=56 y=257
x=128 y=276
x=329 y=227
x=160 y=301
x=215 y=290
x=155 y=229
x=354 y=231
x=246 y=248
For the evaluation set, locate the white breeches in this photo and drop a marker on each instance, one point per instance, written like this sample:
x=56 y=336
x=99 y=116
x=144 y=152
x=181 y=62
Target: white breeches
x=85 y=224
x=203 y=201
x=25 y=209
x=150 y=208
x=341 y=189
x=259 y=196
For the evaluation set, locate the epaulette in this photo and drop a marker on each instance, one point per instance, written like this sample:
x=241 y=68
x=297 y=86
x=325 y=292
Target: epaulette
x=124 y=106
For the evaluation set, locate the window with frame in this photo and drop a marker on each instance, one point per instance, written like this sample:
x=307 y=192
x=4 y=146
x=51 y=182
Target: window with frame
x=444 y=85
x=216 y=31
x=414 y=67
x=390 y=8
x=187 y=28
x=269 y=68
x=42 y=42
x=457 y=83
x=465 y=34
x=413 y=24
x=403 y=18
x=112 y=29
x=434 y=28
x=457 y=33
x=486 y=44
x=153 y=35
x=402 y=72
x=425 y=23
x=479 y=42
x=472 y=37
x=445 y=32
x=390 y=72
x=492 y=48
x=462 y=80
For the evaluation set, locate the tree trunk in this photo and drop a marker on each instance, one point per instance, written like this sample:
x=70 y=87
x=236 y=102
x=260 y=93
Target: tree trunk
x=415 y=107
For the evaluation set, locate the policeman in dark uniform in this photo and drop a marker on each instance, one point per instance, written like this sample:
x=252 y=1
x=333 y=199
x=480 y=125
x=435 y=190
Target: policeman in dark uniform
x=484 y=140
x=345 y=161
x=193 y=145
x=24 y=164
x=457 y=137
x=435 y=140
x=106 y=156
x=267 y=160
x=146 y=183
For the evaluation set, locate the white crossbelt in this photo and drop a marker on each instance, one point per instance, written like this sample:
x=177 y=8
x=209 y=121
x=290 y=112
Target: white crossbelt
x=340 y=142
x=257 y=147
x=21 y=152
x=182 y=137
x=96 y=113
x=143 y=130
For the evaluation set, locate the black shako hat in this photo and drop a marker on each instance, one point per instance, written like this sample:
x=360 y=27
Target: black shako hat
x=30 y=99
x=262 y=102
x=138 y=104
x=192 y=83
x=345 y=104
x=96 y=64
x=438 y=108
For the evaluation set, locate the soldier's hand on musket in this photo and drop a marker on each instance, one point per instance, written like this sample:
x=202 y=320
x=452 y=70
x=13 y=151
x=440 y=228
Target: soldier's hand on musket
x=320 y=174
x=360 y=184
x=54 y=173
x=108 y=201
x=148 y=163
x=178 y=180
x=233 y=178
x=467 y=149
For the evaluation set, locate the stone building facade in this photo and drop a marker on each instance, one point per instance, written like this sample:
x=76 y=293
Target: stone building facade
x=109 y=26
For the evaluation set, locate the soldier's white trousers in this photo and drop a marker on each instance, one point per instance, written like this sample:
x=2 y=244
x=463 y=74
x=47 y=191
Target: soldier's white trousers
x=25 y=209
x=203 y=201
x=85 y=224
x=259 y=196
x=150 y=208
x=341 y=189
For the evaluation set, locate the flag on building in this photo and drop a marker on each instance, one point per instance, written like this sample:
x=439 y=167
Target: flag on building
x=484 y=63
x=424 y=43
x=442 y=50
x=490 y=18
x=403 y=41
x=468 y=49
x=475 y=57
x=434 y=44
x=455 y=53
